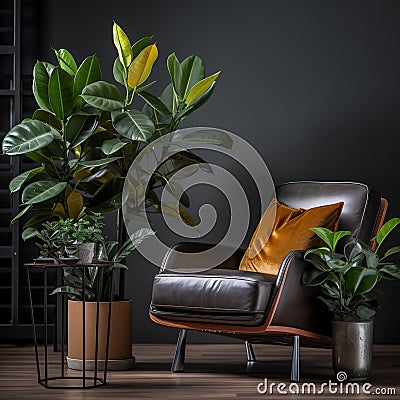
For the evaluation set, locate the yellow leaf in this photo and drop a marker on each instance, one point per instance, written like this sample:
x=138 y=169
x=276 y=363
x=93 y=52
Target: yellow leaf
x=59 y=210
x=82 y=173
x=141 y=66
x=123 y=45
x=109 y=175
x=200 y=88
x=77 y=151
x=75 y=204
x=171 y=210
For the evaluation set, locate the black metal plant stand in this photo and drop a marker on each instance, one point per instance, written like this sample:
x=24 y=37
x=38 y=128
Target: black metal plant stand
x=59 y=381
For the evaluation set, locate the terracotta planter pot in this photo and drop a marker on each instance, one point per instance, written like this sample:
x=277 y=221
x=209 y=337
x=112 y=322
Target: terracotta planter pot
x=120 y=347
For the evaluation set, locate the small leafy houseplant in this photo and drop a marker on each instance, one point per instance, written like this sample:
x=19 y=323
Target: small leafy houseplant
x=97 y=278
x=51 y=244
x=348 y=280
x=347 y=283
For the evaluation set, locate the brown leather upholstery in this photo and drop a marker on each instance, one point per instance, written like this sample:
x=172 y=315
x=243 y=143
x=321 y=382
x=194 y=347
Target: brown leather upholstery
x=212 y=296
x=293 y=308
x=361 y=203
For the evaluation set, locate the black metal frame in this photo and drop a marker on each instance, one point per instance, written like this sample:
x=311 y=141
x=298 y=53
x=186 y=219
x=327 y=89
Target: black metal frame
x=178 y=363
x=95 y=379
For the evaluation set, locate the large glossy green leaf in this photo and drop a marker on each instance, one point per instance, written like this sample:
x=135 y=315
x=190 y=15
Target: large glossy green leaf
x=155 y=102
x=192 y=72
x=197 y=104
x=141 y=66
x=320 y=251
x=109 y=196
x=168 y=98
x=38 y=156
x=339 y=235
x=66 y=61
x=329 y=237
x=41 y=78
x=19 y=180
x=119 y=72
x=145 y=87
x=205 y=135
x=390 y=271
x=40 y=191
x=318 y=264
x=112 y=146
x=98 y=163
x=133 y=124
x=391 y=251
x=314 y=277
x=365 y=313
x=21 y=213
x=61 y=93
x=353 y=250
x=330 y=288
x=361 y=280
x=29 y=233
x=103 y=96
x=79 y=127
x=123 y=45
x=88 y=72
x=330 y=303
x=140 y=45
x=200 y=88
x=385 y=230
x=175 y=72
x=28 y=137
x=48 y=118
x=132 y=243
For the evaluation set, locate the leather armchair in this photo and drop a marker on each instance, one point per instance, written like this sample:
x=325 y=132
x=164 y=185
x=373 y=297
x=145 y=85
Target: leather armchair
x=258 y=307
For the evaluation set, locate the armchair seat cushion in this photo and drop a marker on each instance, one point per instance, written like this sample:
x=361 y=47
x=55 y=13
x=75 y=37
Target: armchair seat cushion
x=213 y=296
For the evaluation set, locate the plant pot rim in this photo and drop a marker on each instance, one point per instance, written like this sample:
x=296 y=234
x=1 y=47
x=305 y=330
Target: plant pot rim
x=352 y=321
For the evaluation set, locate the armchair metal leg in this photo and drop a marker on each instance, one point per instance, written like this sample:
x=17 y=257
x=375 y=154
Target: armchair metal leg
x=295 y=373
x=179 y=357
x=250 y=352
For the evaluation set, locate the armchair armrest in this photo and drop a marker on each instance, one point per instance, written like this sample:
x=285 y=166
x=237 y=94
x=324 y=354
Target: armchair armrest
x=296 y=305
x=174 y=258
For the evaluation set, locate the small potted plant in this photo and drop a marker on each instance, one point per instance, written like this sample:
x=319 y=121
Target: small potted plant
x=81 y=236
x=347 y=283
x=51 y=245
x=94 y=283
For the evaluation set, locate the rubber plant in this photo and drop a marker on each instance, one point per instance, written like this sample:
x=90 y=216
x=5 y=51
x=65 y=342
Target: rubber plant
x=86 y=132
x=348 y=280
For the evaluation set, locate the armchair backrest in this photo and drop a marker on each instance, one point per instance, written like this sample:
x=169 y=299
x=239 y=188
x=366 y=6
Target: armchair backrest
x=362 y=210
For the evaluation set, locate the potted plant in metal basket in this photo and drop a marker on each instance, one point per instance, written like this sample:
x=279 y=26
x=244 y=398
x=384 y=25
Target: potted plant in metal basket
x=86 y=133
x=347 y=283
x=94 y=282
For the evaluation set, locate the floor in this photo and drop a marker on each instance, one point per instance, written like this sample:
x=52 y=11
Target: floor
x=215 y=371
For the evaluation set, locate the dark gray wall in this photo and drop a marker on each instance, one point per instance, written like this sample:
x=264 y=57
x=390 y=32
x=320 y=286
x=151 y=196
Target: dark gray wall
x=313 y=85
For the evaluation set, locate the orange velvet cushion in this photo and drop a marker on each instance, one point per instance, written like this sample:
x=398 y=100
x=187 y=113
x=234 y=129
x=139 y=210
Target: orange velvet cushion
x=291 y=231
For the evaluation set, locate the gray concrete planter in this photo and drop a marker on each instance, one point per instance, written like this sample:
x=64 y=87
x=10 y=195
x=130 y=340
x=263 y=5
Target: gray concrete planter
x=352 y=348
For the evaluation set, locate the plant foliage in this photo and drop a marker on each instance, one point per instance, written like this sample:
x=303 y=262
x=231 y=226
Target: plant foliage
x=348 y=280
